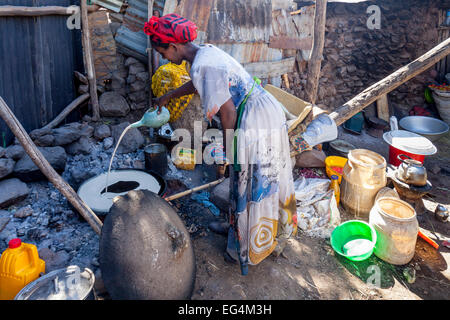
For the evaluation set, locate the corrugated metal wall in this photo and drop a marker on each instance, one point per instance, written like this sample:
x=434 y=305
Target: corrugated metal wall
x=38 y=57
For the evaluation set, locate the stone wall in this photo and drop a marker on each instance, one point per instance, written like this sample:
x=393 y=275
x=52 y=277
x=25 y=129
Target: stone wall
x=355 y=57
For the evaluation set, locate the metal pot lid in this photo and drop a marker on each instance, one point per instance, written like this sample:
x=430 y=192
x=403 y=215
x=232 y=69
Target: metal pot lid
x=91 y=191
x=342 y=145
x=410 y=142
x=62 y=284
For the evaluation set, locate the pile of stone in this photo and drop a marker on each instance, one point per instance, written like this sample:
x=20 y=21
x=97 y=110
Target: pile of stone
x=31 y=208
x=355 y=57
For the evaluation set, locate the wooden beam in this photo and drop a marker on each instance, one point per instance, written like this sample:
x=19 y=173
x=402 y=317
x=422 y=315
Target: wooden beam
x=383 y=108
x=42 y=163
x=271 y=68
x=286 y=42
x=391 y=82
x=315 y=60
x=72 y=106
x=89 y=60
x=150 y=54
x=17 y=11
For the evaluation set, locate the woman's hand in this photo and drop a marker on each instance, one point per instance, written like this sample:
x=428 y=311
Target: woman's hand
x=161 y=102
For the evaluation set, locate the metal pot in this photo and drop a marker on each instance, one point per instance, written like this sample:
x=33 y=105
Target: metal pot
x=69 y=283
x=156 y=158
x=441 y=213
x=411 y=171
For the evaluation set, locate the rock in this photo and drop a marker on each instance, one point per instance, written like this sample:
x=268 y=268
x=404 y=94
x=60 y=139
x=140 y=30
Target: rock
x=136 y=68
x=130 y=61
x=132 y=140
x=137 y=86
x=117 y=82
x=108 y=143
x=220 y=195
x=138 y=96
x=23 y=212
x=102 y=131
x=27 y=171
x=82 y=146
x=87 y=130
x=45 y=141
x=36 y=133
x=113 y=104
x=15 y=152
x=2 y=152
x=67 y=134
x=79 y=175
x=6 y=167
x=138 y=106
x=36 y=233
x=82 y=89
x=13 y=190
x=54 y=260
x=142 y=76
x=4 y=219
x=138 y=164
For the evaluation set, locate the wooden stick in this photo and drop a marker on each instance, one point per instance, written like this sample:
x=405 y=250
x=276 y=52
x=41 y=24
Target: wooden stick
x=383 y=108
x=74 y=104
x=316 y=57
x=46 y=168
x=185 y=193
x=150 y=53
x=89 y=60
x=386 y=85
x=17 y=11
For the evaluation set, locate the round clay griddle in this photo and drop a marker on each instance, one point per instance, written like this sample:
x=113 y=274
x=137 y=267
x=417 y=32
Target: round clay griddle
x=92 y=191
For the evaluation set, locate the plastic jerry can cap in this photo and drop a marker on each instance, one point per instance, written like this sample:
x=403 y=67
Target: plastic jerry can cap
x=14 y=243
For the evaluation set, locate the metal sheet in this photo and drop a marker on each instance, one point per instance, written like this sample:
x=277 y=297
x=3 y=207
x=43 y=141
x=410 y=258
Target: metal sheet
x=194 y=10
x=240 y=21
x=114 y=5
x=130 y=37
x=251 y=52
x=36 y=65
x=292 y=32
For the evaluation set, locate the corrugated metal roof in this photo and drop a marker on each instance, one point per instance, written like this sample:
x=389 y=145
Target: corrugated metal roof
x=113 y=5
x=251 y=52
x=240 y=21
x=130 y=37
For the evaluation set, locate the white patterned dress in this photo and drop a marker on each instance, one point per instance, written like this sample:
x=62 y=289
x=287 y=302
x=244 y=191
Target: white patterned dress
x=262 y=193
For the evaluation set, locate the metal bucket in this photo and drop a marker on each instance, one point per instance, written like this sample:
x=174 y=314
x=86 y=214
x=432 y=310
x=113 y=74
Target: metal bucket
x=63 y=284
x=156 y=158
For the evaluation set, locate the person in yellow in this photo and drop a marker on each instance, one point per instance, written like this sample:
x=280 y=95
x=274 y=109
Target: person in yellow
x=263 y=206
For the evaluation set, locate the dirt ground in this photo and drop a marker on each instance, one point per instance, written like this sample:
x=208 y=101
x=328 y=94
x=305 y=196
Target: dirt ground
x=309 y=269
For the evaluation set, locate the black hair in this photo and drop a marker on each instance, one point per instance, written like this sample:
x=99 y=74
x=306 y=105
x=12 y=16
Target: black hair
x=159 y=44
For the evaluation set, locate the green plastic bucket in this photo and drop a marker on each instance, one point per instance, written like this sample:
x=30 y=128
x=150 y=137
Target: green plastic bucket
x=354 y=240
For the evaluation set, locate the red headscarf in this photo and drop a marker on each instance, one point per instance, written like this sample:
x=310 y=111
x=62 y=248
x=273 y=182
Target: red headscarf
x=171 y=28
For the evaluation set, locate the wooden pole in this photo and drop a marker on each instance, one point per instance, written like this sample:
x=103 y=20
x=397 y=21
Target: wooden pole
x=386 y=85
x=383 y=108
x=316 y=57
x=185 y=193
x=74 y=104
x=150 y=53
x=17 y=11
x=46 y=168
x=89 y=60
